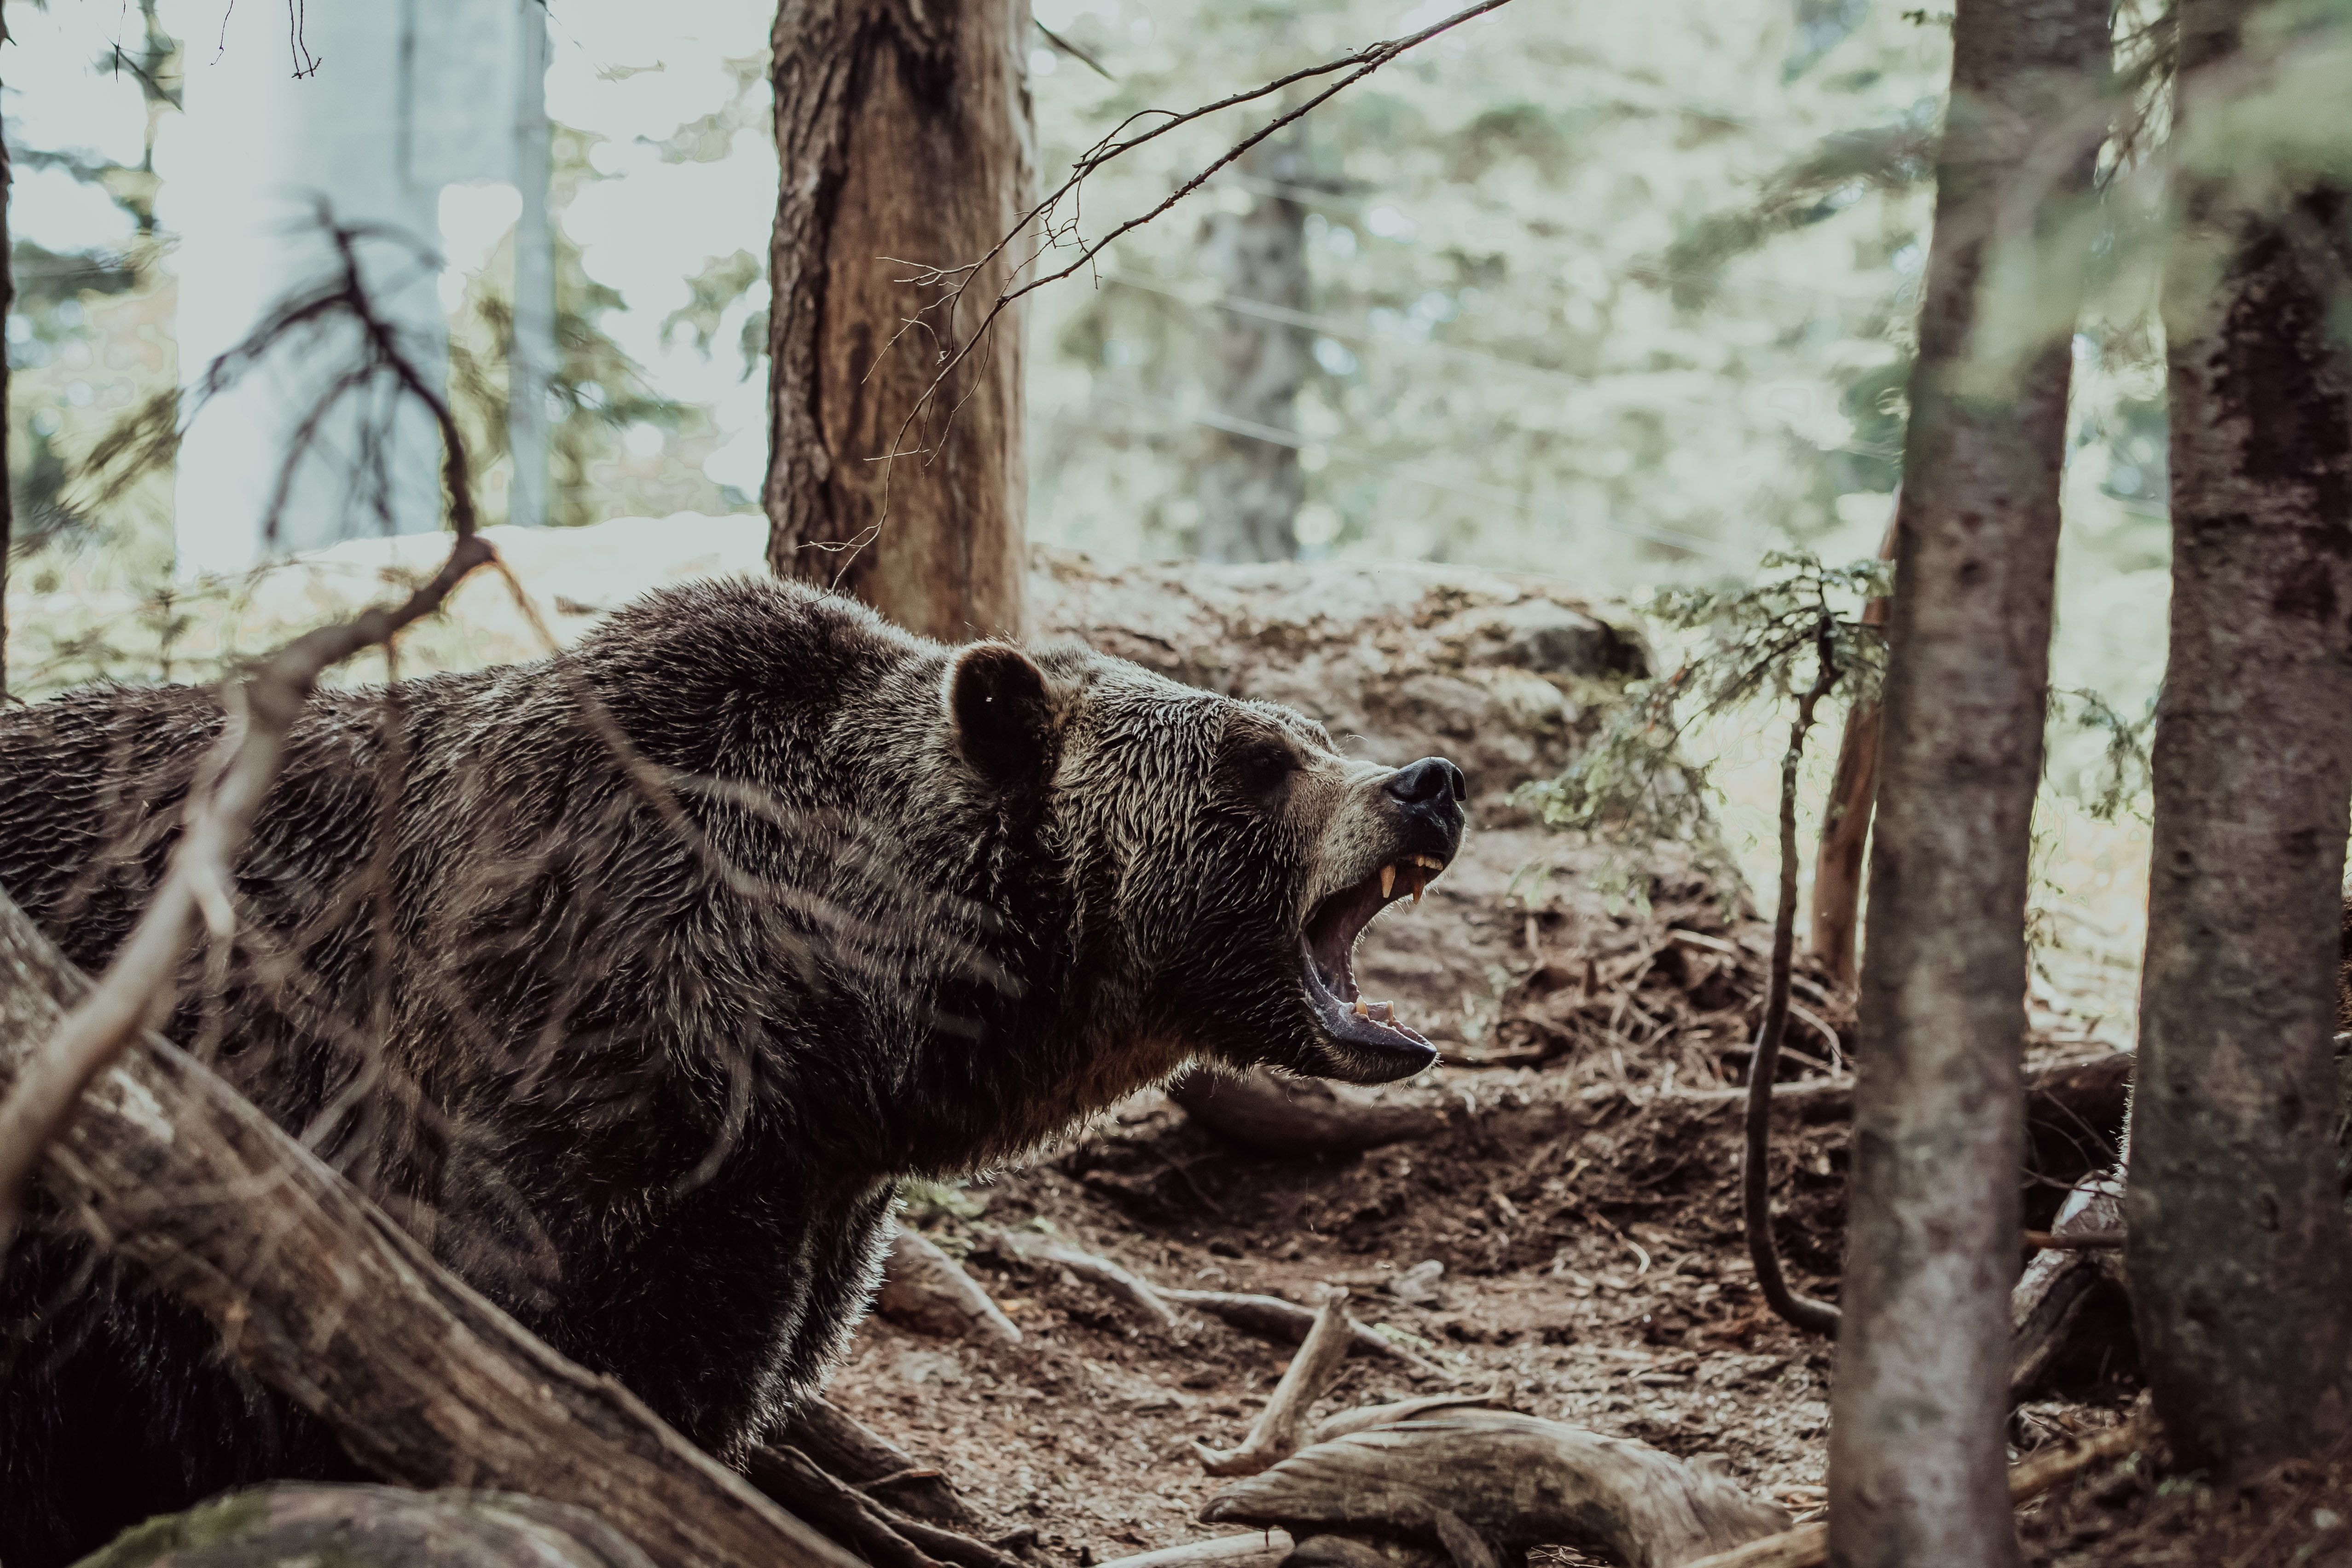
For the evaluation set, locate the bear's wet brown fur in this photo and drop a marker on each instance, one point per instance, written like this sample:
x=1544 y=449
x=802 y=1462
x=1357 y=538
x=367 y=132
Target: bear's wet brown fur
x=643 y=1053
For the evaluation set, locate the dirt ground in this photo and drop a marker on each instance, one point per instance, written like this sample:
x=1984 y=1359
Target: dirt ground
x=1585 y=1212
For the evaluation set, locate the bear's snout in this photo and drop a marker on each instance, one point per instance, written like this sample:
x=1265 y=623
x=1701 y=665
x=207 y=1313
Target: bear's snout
x=1429 y=794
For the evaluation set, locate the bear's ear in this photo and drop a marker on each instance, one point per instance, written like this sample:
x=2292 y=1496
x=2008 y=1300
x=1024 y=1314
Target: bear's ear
x=1001 y=716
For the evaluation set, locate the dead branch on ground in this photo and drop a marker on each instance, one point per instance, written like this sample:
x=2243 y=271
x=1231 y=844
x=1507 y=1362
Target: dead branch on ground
x=1099 y=1271
x=1302 y=1115
x=883 y=1536
x=844 y=1446
x=925 y=1289
x=1274 y=1436
x=139 y=984
x=1487 y=1485
x=1275 y=1319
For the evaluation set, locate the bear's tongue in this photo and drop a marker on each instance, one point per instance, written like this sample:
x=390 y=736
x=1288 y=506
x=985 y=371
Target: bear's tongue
x=1330 y=941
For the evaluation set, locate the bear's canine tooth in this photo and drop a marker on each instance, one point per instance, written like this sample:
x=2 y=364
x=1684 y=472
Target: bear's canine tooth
x=1361 y=1010
x=1387 y=880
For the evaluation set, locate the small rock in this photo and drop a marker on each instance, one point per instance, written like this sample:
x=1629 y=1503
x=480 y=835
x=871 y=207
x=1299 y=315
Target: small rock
x=1417 y=1286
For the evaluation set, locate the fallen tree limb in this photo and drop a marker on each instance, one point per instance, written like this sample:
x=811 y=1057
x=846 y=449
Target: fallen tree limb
x=1301 y=1115
x=1255 y=1549
x=1807 y=1545
x=925 y=1289
x=1275 y=1319
x=1510 y=1481
x=1101 y=1272
x=372 y=1527
x=2091 y=1088
x=1365 y=1416
x=320 y=1294
x=1274 y=1436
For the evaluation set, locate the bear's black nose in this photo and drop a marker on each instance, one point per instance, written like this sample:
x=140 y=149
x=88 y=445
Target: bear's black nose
x=1428 y=781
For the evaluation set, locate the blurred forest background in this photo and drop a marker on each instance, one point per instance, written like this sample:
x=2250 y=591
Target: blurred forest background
x=1622 y=296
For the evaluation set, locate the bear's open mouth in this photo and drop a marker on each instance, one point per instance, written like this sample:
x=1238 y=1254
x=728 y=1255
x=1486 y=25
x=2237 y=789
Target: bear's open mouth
x=1329 y=945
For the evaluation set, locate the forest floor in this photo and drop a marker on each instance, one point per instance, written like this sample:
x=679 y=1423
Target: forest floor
x=1586 y=1214
x=1594 y=1273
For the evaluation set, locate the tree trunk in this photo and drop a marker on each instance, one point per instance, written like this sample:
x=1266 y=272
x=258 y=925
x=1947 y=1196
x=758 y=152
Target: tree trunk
x=2240 y=1258
x=320 y=1295
x=1250 y=488
x=1845 y=825
x=1916 y=1451
x=904 y=136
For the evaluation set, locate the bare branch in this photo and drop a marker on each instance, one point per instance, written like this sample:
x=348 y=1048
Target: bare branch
x=138 y=986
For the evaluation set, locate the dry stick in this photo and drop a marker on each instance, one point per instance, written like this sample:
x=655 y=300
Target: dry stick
x=1274 y=1436
x=1099 y=1271
x=138 y=985
x=1807 y=1545
x=1277 y=1319
x=2073 y=1241
x=1366 y=60
x=1755 y=1189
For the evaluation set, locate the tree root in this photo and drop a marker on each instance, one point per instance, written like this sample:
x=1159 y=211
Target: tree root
x=1099 y=1271
x=885 y=1537
x=841 y=1444
x=1274 y=1436
x=1486 y=1485
x=925 y=1289
x=1301 y=1115
x=374 y=1527
x=1275 y=1319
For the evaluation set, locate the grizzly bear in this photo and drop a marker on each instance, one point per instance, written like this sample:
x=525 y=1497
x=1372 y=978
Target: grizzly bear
x=634 y=982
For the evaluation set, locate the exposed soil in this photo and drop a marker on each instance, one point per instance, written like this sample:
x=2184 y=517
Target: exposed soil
x=1586 y=1214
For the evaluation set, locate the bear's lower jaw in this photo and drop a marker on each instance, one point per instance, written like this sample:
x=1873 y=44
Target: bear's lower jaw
x=1364 y=1044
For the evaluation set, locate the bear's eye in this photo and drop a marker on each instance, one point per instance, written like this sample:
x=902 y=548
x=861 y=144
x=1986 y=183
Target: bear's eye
x=1262 y=768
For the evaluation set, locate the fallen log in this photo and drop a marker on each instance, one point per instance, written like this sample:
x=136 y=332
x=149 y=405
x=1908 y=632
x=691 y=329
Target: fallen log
x=2086 y=1093
x=1274 y=1436
x=1807 y=1545
x=1369 y=1415
x=1275 y=1319
x=926 y=1290
x=372 y=1527
x=320 y=1294
x=1487 y=1485
x=1294 y=1117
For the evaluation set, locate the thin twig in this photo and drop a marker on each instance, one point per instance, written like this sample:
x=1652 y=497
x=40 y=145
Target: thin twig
x=954 y=282
x=1755 y=1183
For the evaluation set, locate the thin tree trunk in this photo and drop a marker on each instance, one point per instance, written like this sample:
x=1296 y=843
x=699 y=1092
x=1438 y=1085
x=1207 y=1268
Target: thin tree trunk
x=1250 y=488
x=1915 y=1452
x=2239 y=1257
x=904 y=136
x=1845 y=825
